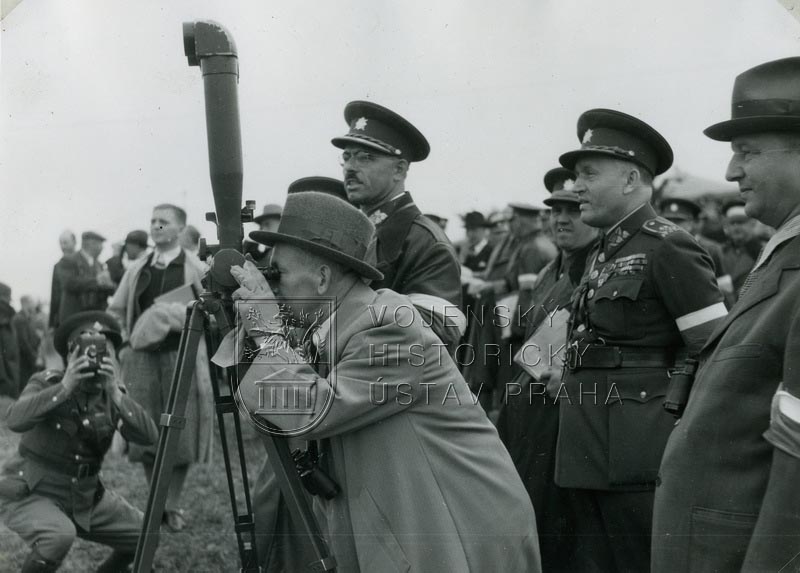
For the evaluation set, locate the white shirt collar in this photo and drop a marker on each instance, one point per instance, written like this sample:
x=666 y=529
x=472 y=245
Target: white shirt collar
x=479 y=246
x=87 y=257
x=788 y=230
x=166 y=256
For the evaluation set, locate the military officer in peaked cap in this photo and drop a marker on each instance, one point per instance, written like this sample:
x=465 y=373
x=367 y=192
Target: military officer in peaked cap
x=50 y=490
x=728 y=498
x=647 y=300
x=413 y=253
x=685 y=213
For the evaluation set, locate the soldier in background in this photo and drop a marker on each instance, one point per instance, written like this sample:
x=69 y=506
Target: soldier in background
x=9 y=346
x=50 y=490
x=528 y=421
x=742 y=246
x=67 y=242
x=685 y=213
x=647 y=300
x=29 y=338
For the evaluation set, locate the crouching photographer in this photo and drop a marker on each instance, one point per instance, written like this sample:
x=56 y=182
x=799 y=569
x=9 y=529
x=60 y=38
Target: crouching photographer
x=50 y=491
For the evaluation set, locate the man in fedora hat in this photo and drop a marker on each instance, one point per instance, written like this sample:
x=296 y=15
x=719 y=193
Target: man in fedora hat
x=647 y=300
x=476 y=251
x=267 y=221
x=85 y=285
x=413 y=253
x=50 y=490
x=466 y=508
x=728 y=496
x=135 y=246
x=528 y=421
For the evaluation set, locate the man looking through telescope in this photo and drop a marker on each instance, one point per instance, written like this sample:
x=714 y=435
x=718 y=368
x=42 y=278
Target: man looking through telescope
x=444 y=454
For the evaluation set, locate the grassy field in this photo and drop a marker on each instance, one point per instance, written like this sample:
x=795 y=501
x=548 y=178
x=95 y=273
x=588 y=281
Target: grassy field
x=208 y=543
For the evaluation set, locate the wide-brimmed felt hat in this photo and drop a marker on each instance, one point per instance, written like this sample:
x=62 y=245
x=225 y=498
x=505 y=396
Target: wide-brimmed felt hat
x=320 y=184
x=559 y=181
x=621 y=136
x=137 y=238
x=379 y=128
x=475 y=220
x=679 y=209
x=324 y=225
x=270 y=211
x=765 y=98
x=97 y=320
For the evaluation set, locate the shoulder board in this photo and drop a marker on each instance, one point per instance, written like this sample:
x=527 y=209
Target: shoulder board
x=431 y=227
x=660 y=227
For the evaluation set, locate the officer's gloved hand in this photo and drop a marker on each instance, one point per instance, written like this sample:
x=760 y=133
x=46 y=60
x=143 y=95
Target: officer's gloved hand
x=76 y=370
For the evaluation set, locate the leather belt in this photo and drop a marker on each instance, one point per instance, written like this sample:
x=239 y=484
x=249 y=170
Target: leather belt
x=603 y=356
x=70 y=469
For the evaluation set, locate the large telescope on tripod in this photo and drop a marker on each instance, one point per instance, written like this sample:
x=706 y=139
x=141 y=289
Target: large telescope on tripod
x=209 y=46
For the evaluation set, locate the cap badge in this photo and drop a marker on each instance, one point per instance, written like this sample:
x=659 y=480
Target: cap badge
x=587 y=137
x=569 y=184
x=673 y=207
x=361 y=124
x=97 y=326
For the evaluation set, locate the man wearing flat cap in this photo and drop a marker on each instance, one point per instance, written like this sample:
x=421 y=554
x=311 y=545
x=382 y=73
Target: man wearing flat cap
x=728 y=498
x=528 y=421
x=685 y=213
x=378 y=415
x=648 y=300
x=85 y=284
x=50 y=490
x=413 y=253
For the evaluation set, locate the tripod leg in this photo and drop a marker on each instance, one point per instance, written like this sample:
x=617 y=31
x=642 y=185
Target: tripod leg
x=297 y=501
x=243 y=520
x=171 y=421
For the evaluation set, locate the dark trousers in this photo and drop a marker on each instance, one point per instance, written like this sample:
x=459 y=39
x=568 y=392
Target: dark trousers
x=613 y=530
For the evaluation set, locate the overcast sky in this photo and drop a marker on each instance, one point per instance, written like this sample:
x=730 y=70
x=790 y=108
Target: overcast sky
x=102 y=117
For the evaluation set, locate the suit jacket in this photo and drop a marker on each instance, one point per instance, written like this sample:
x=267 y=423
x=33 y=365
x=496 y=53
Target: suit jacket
x=426 y=483
x=79 y=288
x=55 y=293
x=710 y=509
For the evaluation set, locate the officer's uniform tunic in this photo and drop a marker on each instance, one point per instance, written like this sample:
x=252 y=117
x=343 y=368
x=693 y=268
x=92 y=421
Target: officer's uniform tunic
x=647 y=300
x=50 y=491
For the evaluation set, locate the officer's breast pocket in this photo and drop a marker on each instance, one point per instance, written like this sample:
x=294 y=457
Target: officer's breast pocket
x=618 y=308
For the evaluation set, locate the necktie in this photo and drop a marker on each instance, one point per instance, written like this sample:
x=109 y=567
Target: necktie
x=754 y=274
